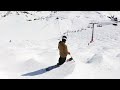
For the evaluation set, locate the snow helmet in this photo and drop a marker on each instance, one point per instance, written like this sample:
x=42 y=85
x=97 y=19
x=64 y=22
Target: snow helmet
x=64 y=37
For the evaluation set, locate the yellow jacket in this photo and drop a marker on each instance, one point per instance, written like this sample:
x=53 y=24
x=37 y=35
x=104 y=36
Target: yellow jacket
x=63 y=51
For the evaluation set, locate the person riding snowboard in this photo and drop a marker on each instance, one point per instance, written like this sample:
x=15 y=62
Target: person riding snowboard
x=63 y=51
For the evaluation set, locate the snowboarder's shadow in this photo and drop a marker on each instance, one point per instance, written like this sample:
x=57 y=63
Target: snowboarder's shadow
x=41 y=71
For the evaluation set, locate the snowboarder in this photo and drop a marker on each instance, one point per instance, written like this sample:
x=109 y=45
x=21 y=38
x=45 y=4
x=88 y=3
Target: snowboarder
x=63 y=50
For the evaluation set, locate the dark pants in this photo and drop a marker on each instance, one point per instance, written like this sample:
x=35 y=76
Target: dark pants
x=61 y=61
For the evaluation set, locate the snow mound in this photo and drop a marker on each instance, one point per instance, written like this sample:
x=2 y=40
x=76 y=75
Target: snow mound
x=30 y=65
x=118 y=55
x=97 y=58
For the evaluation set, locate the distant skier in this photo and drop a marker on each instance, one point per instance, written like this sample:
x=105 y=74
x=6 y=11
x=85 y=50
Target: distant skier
x=63 y=51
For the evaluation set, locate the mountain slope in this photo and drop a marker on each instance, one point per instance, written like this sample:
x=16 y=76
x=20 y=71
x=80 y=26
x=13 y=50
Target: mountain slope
x=34 y=43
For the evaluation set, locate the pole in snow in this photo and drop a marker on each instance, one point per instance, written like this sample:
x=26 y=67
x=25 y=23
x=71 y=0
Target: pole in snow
x=92 y=32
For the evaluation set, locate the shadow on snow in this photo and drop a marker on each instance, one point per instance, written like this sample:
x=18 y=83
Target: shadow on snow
x=41 y=71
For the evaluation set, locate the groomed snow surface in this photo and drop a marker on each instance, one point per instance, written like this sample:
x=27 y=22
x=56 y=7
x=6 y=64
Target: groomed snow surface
x=34 y=46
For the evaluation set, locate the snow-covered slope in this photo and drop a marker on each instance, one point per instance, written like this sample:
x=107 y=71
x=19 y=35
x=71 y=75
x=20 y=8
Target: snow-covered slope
x=35 y=35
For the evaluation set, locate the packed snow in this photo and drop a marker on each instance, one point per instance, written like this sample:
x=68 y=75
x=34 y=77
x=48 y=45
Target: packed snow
x=29 y=42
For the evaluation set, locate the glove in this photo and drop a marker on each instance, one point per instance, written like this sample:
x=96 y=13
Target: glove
x=69 y=53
